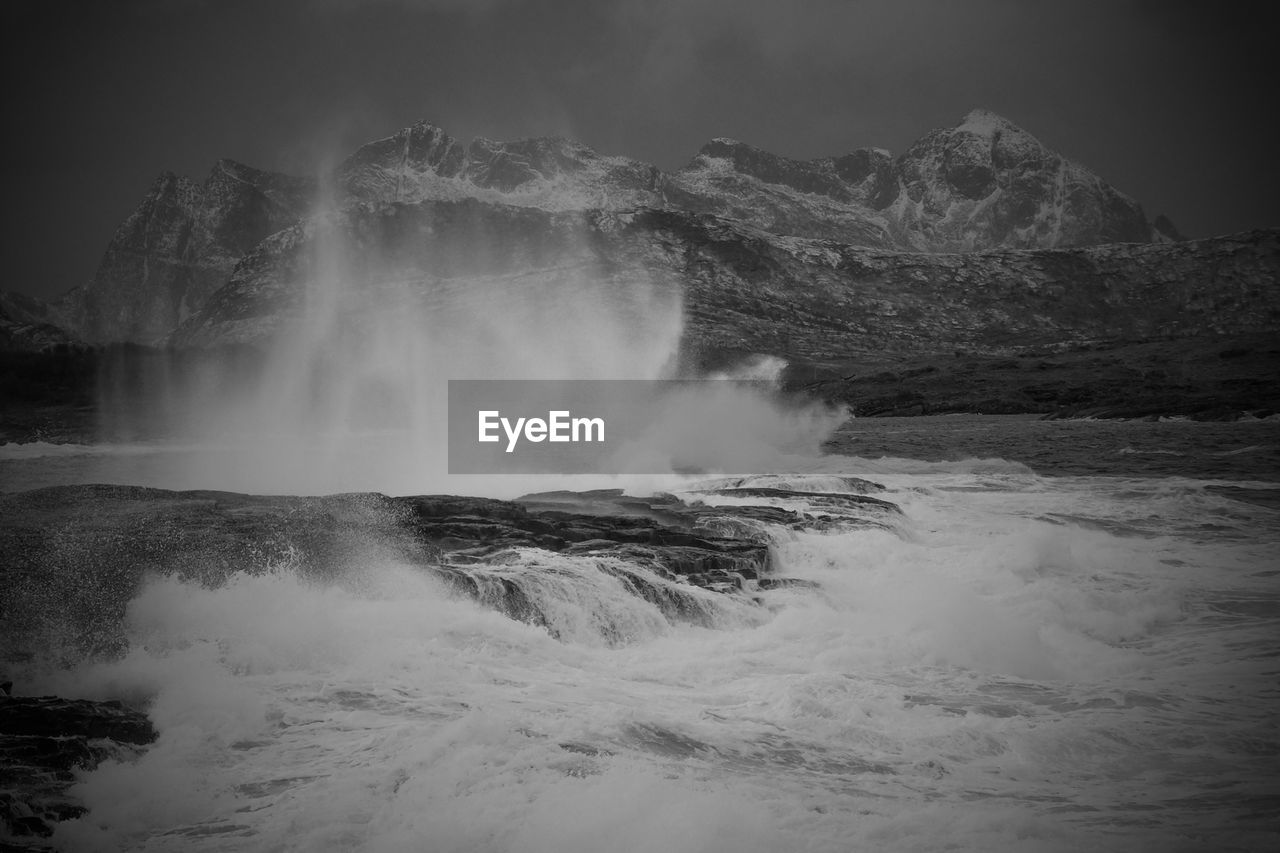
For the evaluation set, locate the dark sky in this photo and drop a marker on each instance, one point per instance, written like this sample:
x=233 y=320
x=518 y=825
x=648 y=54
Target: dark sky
x=1171 y=101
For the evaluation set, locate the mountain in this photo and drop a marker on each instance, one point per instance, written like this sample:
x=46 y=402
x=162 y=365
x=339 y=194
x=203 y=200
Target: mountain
x=984 y=184
x=179 y=246
x=196 y=260
x=748 y=290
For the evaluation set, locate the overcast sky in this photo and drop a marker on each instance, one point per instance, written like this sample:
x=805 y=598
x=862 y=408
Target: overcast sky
x=1171 y=101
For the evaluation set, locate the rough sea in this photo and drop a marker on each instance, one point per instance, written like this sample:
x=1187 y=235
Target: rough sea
x=1070 y=640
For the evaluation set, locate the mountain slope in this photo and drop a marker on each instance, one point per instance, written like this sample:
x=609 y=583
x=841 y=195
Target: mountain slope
x=178 y=247
x=751 y=291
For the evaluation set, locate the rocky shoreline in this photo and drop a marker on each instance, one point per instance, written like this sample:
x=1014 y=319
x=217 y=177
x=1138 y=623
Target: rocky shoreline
x=75 y=556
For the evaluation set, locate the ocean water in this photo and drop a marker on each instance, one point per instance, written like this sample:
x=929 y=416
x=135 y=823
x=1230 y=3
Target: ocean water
x=1070 y=640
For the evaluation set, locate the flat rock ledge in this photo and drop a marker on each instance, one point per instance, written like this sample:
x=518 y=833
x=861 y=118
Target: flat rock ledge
x=74 y=556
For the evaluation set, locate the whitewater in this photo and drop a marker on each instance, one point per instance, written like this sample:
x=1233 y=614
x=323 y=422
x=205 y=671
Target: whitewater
x=1022 y=661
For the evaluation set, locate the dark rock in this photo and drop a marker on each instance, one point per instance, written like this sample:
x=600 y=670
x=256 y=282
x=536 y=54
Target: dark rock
x=43 y=741
x=51 y=717
x=967 y=166
x=871 y=169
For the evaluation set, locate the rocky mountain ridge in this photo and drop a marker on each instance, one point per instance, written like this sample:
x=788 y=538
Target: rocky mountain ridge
x=752 y=291
x=982 y=185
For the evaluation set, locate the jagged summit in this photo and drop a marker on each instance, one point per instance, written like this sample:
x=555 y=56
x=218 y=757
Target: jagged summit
x=422 y=161
x=227 y=166
x=987 y=182
x=985 y=123
x=724 y=142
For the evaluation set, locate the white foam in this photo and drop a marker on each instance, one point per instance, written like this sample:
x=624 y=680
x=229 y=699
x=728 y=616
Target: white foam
x=951 y=677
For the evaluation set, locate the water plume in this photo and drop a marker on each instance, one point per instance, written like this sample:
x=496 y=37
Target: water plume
x=366 y=310
x=391 y=303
